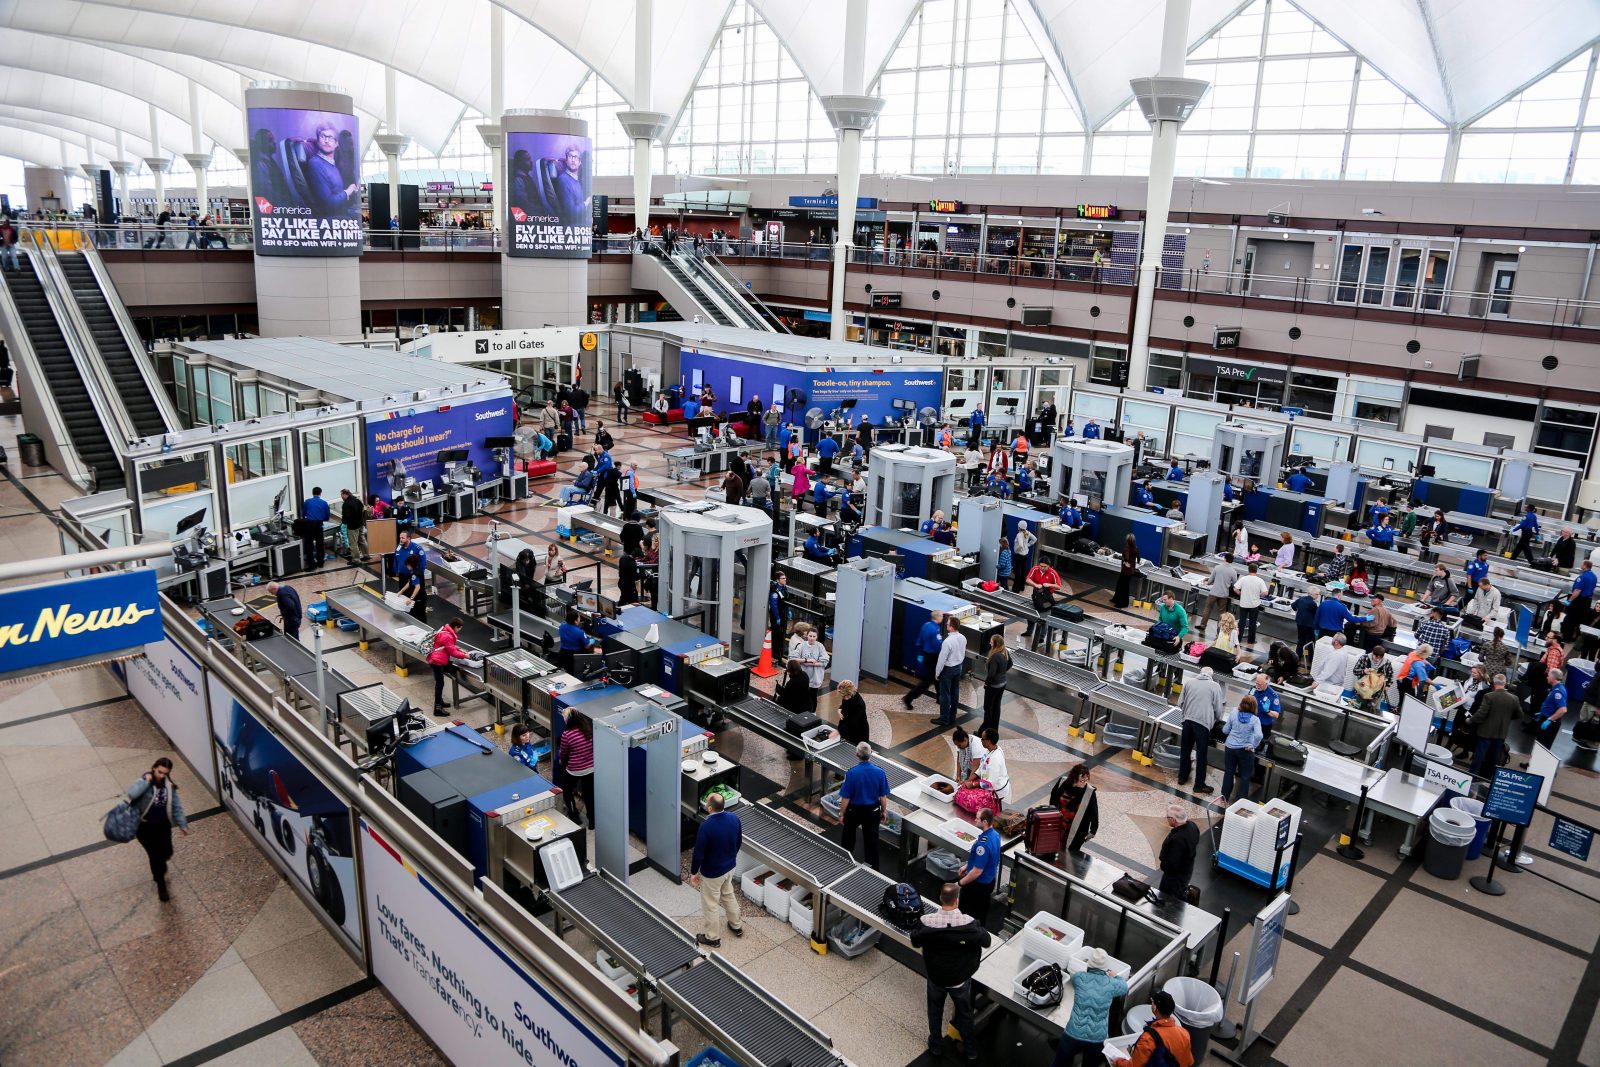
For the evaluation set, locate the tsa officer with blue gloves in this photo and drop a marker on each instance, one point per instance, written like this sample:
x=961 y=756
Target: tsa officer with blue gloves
x=977 y=879
x=314 y=513
x=1299 y=482
x=1141 y=492
x=1382 y=533
x=404 y=550
x=929 y=638
x=861 y=804
x=574 y=639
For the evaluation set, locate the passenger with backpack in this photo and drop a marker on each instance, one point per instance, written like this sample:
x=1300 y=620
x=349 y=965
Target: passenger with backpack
x=952 y=945
x=1094 y=991
x=1164 y=1042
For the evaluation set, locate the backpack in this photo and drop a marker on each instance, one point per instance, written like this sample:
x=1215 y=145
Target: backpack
x=1164 y=632
x=1458 y=647
x=1160 y=1055
x=902 y=905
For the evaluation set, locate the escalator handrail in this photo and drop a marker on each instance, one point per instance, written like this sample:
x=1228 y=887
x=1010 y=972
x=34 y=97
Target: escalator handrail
x=27 y=360
x=762 y=308
x=130 y=334
x=695 y=293
x=81 y=345
x=739 y=312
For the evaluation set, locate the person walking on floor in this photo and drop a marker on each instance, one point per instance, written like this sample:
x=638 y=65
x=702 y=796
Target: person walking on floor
x=1178 y=853
x=353 y=515
x=1093 y=993
x=813 y=657
x=861 y=799
x=977 y=878
x=929 y=639
x=716 y=854
x=1500 y=708
x=1201 y=708
x=1239 y=754
x=1126 y=569
x=947 y=668
x=996 y=675
x=155 y=797
x=1021 y=555
x=575 y=752
x=952 y=945
x=444 y=650
x=290 y=613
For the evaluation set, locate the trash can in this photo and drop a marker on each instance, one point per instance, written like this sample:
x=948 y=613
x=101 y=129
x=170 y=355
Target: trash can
x=1473 y=808
x=1451 y=834
x=1199 y=1008
x=30 y=449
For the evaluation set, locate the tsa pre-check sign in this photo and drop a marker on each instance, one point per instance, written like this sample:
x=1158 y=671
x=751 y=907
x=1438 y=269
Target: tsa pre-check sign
x=78 y=619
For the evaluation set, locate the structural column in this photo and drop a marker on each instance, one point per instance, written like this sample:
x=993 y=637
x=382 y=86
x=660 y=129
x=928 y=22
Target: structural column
x=392 y=143
x=199 y=159
x=851 y=113
x=544 y=263
x=490 y=131
x=157 y=160
x=644 y=126
x=1167 y=101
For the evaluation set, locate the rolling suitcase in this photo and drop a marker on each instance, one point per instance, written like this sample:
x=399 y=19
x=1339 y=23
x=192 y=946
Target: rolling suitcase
x=563 y=443
x=1046 y=831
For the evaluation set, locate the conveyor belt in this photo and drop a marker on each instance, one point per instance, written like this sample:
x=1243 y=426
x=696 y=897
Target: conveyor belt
x=656 y=945
x=1051 y=670
x=768 y=1032
x=762 y=710
x=1008 y=602
x=1131 y=700
x=841 y=756
x=811 y=855
x=864 y=888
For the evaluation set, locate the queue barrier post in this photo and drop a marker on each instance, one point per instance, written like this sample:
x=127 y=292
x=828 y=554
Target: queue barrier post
x=1347 y=842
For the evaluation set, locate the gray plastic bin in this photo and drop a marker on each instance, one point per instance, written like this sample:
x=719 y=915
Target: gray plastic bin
x=30 y=449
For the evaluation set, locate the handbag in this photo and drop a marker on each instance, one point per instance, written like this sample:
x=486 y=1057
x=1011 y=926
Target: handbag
x=974 y=798
x=1218 y=735
x=1287 y=750
x=1133 y=890
x=121 y=822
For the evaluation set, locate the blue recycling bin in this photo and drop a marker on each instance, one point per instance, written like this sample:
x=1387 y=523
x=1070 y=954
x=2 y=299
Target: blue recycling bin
x=1473 y=808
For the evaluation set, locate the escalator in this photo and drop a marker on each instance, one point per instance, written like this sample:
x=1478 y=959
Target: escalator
x=699 y=289
x=79 y=418
x=121 y=360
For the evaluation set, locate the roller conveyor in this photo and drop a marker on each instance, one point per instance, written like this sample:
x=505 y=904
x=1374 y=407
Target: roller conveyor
x=1133 y=701
x=786 y=844
x=741 y=1014
x=864 y=888
x=841 y=756
x=761 y=710
x=628 y=927
x=1054 y=671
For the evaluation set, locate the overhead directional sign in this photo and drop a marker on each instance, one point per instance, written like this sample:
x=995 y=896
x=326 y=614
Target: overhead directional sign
x=78 y=620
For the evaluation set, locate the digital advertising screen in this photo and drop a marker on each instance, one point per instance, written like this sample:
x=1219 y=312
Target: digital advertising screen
x=305 y=182
x=549 y=179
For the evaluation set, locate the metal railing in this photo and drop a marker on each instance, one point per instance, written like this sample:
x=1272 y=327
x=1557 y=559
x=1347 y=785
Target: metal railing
x=137 y=350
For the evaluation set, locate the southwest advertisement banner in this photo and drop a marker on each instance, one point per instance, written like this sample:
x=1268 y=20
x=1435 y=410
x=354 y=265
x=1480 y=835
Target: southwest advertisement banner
x=305 y=182
x=416 y=436
x=78 y=620
x=549 y=178
x=294 y=816
x=461 y=988
x=171 y=688
x=735 y=380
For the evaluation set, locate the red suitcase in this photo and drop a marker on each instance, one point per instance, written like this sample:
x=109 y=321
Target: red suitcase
x=1046 y=832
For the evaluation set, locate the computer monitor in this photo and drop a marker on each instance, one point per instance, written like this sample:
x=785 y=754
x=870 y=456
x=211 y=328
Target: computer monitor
x=586 y=602
x=499 y=442
x=606 y=606
x=454 y=455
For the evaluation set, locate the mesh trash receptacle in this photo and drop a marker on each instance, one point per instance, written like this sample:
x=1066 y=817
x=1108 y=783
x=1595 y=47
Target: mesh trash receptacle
x=1473 y=808
x=30 y=449
x=1199 y=1008
x=1450 y=835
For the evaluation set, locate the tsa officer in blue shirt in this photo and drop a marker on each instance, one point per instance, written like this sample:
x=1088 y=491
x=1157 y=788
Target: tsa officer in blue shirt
x=929 y=638
x=1070 y=516
x=314 y=512
x=1548 y=717
x=814 y=550
x=1477 y=569
x=1141 y=492
x=1526 y=530
x=406 y=548
x=1299 y=482
x=1580 y=601
x=574 y=639
x=1382 y=533
x=1067 y=430
x=778 y=606
x=982 y=870
x=1091 y=431
x=1176 y=473
x=861 y=803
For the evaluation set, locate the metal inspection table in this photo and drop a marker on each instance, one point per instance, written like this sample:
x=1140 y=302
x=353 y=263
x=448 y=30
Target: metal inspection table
x=802 y=855
x=859 y=895
x=365 y=607
x=744 y=1019
x=303 y=691
x=1403 y=796
x=281 y=656
x=761 y=716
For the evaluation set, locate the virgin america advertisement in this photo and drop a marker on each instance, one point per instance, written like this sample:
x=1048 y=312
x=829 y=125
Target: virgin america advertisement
x=305 y=182
x=549 y=181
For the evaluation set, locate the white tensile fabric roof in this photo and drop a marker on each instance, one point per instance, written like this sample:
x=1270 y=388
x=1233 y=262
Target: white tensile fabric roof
x=80 y=70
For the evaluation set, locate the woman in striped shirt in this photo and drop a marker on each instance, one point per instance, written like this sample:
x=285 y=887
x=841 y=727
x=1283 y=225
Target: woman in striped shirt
x=577 y=764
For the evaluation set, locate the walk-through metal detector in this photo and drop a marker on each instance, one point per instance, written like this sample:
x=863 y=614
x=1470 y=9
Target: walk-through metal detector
x=863 y=616
x=658 y=731
x=907 y=484
x=1091 y=471
x=714 y=558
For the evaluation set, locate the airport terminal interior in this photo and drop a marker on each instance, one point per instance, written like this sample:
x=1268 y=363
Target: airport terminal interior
x=800 y=533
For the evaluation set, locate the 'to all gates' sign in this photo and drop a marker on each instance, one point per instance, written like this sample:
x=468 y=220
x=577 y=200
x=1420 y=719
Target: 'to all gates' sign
x=79 y=619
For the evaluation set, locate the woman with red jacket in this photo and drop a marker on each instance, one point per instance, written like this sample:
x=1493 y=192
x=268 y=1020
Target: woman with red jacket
x=444 y=650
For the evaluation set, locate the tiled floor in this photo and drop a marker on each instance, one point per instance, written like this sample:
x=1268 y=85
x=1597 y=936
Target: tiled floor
x=1384 y=961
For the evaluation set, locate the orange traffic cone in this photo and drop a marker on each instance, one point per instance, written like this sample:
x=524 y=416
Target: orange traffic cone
x=764 y=668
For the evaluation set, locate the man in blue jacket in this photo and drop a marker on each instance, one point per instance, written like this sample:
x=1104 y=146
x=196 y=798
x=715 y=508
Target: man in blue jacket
x=778 y=606
x=1381 y=533
x=929 y=638
x=1332 y=615
x=827 y=448
x=716 y=854
x=977 y=878
x=1299 y=482
x=1526 y=531
x=1091 y=431
x=1477 y=569
x=1305 y=622
x=289 y=610
x=405 y=548
x=314 y=513
x=975 y=425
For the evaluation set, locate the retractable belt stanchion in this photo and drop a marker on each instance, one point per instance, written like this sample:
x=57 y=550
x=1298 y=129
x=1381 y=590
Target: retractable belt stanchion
x=1347 y=843
x=1485 y=883
x=1294 y=861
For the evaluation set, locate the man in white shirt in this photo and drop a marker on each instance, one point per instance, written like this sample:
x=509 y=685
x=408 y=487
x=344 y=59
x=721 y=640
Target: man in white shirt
x=1484 y=605
x=952 y=659
x=1331 y=661
x=1251 y=588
